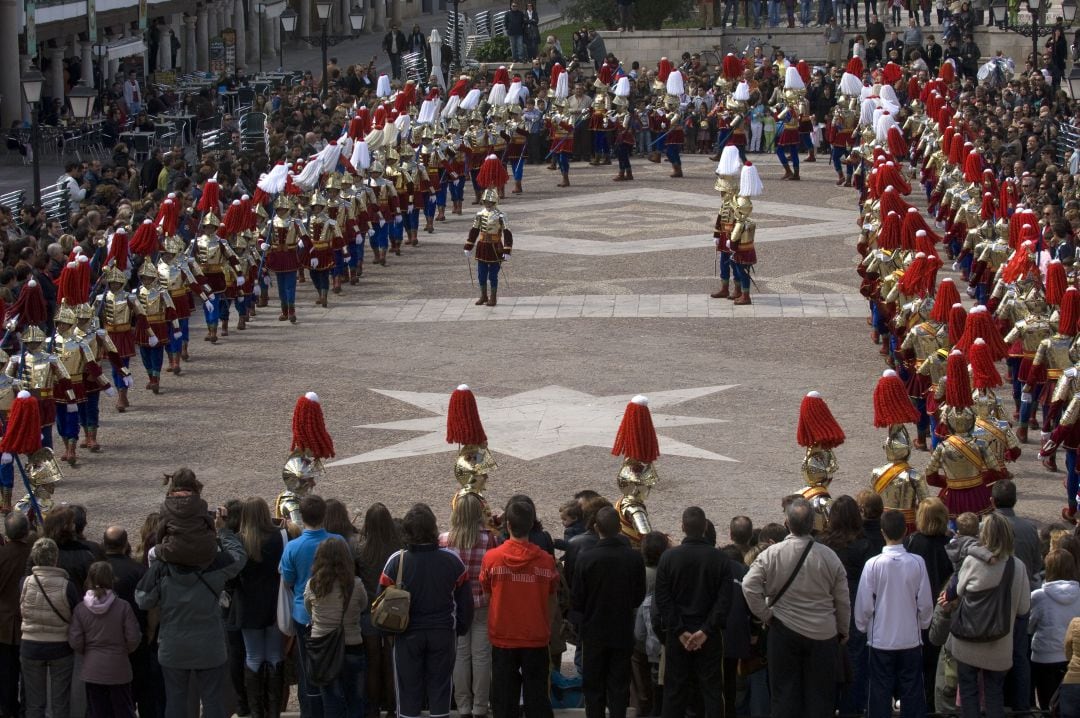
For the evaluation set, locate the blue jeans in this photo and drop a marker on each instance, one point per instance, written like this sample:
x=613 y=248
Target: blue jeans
x=774 y=13
x=380 y=238
x=804 y=12
x=1069 y=694
x=286 y=287
x=517 y=48
x=755 y=11
x=262 y=645
x=344 y=698
x=896 y=673
x=488 y=273
x=672 y=152
x=177 y=343
x=853 y=699
x=992 y=688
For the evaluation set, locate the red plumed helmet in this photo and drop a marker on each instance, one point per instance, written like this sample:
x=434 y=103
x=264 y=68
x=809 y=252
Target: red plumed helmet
x=898 y=146
x=73 y=286
x=463 y=418
x=492 y=173
x=984 y=373
x=1069 y=314
x=233 y=221
x=309 y=428
x=636 y=437
x=663 y=69
x=210 y=201
x=556 y=70
x=145 y=240
x=891 y=201
x=956 y=149
x=502 y=77
x=1056 y=281
x=957 y=381
x=947 y=72
x=980 y=325
x=29 y=306
x=461 y=87
x=891 y=74
x=946 y=296
x=914 y=222
x=118 y=250
x=914 y=281
x=855 y=66
x=924 y=245
x=1017 y=233
x=957 y=322
x=168 y=216
x=986 y=210
x=891 y=402
x=973 y=167
x=889 y=234
x=1020 y=264
x=23 y=434
x=804 y=71
x=732 y=68
x=817 y=426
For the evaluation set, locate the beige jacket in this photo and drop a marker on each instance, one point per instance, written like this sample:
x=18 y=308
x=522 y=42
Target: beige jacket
x=326 y=612
x=1072 y=652
x=40 y=622
x=977 y=575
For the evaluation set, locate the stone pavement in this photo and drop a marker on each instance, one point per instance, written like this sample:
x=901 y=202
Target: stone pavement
x=602 y=326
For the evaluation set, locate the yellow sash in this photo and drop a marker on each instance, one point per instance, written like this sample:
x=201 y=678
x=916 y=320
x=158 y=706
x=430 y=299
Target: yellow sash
x=814 y=491
x=993 y=430
x=888 y=475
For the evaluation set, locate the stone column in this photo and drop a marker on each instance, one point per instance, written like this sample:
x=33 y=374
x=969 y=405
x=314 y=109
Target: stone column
x=241 y=34
x=271 y=26
x=303 y=27
x=213 y=29
x=10 y=87
x=164 y=48
x=176 y=24
x=254 y=39
x=395 y=12
x=55 y=86
x=202 y=41
x=377 y=15
x=86 y=59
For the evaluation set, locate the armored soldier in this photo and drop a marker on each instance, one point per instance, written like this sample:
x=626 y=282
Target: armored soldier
x=819 y=433
x=282 y=250
x=42 y=374
x=623 y=122
x=636 y=441
x=788 y=112
x=900 y=485
x=841 y=130
x=517 y=137
x=1024 y=339
x=402 y=183
x=339 y=211
x=675 y=134
x=561 y=126
x=356 y=195
x=218 y=262
x=182 y=277
x=323 y=230
x=102 y=349
x=310 y=445
x=386 y=211
x=598 y=124
x=44 y=474
x=75 y=355
x=725 y=222
x=119 y=309
x=474 y=460
x=741 y=241
x=155 y=324
x=493 y=242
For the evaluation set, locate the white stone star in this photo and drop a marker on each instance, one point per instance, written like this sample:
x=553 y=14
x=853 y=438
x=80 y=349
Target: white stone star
x=538 y=423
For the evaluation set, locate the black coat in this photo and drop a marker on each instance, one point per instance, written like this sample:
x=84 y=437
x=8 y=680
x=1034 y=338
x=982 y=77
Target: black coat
x=257 y=585
x=609 y=585
x=126 y=575
x=693 y=588
x=402 y=42
x=932 y=54
x=515 y=23
x=932 y=550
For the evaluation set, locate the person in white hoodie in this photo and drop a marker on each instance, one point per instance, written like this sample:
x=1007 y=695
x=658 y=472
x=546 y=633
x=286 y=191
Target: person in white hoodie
x=1052 y=608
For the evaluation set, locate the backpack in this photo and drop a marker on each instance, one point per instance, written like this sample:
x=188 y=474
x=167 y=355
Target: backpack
x=390 y=610
x=984 y=616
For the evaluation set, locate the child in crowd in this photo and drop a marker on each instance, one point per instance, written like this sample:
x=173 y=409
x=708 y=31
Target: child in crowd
x=965 y=543
x=573 y=521
x=186 y=534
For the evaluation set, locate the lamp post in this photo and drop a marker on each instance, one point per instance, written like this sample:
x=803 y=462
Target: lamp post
x=323 y=9
x=101 y=50
x=32 y=83
x=456 y=64
x=260 y=10
x=1035 y=29
x=288 y=26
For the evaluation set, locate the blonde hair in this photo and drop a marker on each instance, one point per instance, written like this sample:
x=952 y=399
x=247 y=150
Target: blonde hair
x=967 y=524
x=996 y=534
x=931 y=517
x=466 y=520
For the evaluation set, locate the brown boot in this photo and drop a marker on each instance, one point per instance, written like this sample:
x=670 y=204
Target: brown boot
x=121 y=400
x=839 y=179
x=654 y=157
x=517 y=187
x=241 y=323
x=714 y=158
x=847 y=182
x=284 y=314
x=787 y=173
x=292 y=314
x=607 y=160
x=565 y=180
x=477 y=200
x=224 y=327
x=263 y=300
x=440 y=214
x=354 y=276
x=795 y=176
x=483 y=297
x=184 y=352
x=1022 y=434
x=790 y=22
x=337 y=285
x=213 y=335
x=722 y=293
x=494 y=298
x=629 y=175
x=676 y=171
x=813 y=155
x=429 y=226
x=743 y=298
x=155 y=384
x=176 y=365
x=621 y=177
x=5 y=500
x=736 y=293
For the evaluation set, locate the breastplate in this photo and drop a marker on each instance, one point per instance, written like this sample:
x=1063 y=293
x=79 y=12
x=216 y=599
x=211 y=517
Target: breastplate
x=116 y=309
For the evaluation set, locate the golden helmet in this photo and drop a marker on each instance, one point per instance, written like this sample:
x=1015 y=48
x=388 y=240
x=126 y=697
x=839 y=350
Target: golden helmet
x=427 y=133
x=31 y=334
x=84 y=311
x=376 y=168
x=473 y=462
x=671 y=102
x=392 y=156
x=318 y=199
x=174 y=244
x=960 y=421
x=515 y=109
x=346 y=180
x=65 y=315
x=897 y=444
x=42 y=469
x=636 y=478
x=284 y=201
x=147 y=271
x=333 y=181
x=260 y=210
x=490 y=195
x=301 y=471
x=115 y=276
x=210 y=220
x=600 y=101
x=619 y=101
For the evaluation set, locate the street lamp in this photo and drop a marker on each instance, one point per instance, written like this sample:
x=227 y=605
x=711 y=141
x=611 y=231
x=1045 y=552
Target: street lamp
x=1035 y=29
x=81 y=98
x=101 y=49
x=32 y=84
x=1074 y=82
x=324 y=8
x=288 y=26
x=260 y=10
x=356 y=19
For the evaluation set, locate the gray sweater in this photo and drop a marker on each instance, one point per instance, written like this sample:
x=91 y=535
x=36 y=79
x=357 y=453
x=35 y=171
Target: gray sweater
x=977 y=575
x=191 y=633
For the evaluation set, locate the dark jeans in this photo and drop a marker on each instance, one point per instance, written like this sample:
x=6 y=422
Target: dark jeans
x=344 y=698
x=209 y=683
x=309 y=697
x=802 y=673
x=9 y=688
x=1018 y=680
x=520 y=673
x=896 y=673
x=992 y=691
x=853 y=697
x=606 y=679
x=147 y=684
x=109 y=701
x=424 y=668
x=1070 y=700
x=703 y=669
x=1046 y=677
x=55 y=674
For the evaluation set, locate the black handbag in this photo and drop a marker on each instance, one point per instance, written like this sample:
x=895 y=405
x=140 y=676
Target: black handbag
x=984 y=616
x=324 y=657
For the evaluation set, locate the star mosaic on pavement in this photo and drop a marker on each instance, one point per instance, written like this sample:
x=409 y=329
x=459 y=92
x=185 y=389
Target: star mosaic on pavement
x=540 y=422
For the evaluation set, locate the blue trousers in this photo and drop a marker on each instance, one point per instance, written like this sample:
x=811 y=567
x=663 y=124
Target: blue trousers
x=117 y=375
x=992 y=691
x=225 y=307
x=622 y=153
x=1018 y=680
x=262 y=645
x=788 y=153
x=563 y=160
x=672 y=152
x=725 y=266
x=344 y=698
x=804 y=12
x=411 y=219
x=286 y=288
x=742 y=275
x=46 y=436
x=774 y=13
x=90 y=410
x=429 y=204
x=338 y=270
x=214 y=314
x=7 y=475
x=440 y=195
x=838 y=155
x=380 y=239
x=152 y=359
x=320 y=279
x=897 y=673
x=517 y=169
x=175 y=345
x=1072 y=478
x=600 y=143
x=1028 y=408
x=397 y=230
x=67 y=422
x=1014 y=376
x=356 y=254
x=457 y=190
x=488 y=273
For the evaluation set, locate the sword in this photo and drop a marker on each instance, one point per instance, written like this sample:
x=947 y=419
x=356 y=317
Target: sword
x=468 y=261
x=505 y=272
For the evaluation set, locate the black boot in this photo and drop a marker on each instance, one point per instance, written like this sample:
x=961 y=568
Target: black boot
x=256 y=693
x=275 y=688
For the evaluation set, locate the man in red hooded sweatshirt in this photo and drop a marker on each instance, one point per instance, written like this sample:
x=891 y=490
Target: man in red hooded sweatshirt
x=521 y=579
